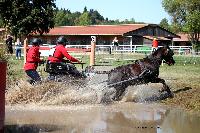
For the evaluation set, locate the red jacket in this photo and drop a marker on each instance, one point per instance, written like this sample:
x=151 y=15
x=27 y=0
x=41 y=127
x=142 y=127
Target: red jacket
x=59 y=53
x=155 y=43
x=32 y=58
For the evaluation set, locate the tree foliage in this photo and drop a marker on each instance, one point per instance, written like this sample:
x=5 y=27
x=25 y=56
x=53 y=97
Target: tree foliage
x=87 y=17
x=84 y=19
x=63 y=17
x=95 y=17
x=164 y=24
x=1 y=22
x=174 y=27
x=22 y=17
x=193 y=26
x=185 y=16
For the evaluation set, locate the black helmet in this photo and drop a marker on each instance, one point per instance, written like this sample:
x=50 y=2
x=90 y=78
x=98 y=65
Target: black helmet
x=36 y=41
x=62 y=40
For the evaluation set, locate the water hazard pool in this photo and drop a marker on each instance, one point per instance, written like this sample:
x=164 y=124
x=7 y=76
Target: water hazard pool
x=114 y=118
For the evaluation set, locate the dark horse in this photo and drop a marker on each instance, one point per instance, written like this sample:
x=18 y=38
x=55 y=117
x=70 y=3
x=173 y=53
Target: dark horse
x=142 y=71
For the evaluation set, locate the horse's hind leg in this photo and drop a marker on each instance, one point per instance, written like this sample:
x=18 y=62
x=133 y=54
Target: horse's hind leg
x=165 y=86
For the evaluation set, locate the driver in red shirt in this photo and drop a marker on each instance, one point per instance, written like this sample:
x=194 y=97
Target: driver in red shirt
x=58 y=58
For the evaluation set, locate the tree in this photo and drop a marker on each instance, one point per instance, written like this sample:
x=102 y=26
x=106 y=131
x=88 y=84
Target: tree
x=75 y=17
x=1 y=22
x=164 y=23
x=126 y=21
x=22 y=17
x=185 y=14
x=193 y=26
x=85 y=9
x=84 y=19
x=176 y=27
x=92 y=17
x=132 y=20
x=63 y=18
x=95 y=17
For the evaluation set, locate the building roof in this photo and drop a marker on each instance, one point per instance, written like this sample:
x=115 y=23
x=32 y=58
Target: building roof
x=184 y=38
x=159 y=38
x=95 y=29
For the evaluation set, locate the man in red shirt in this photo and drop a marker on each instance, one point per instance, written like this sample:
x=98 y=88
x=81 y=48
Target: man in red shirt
x=154 y=44
x=57 y=63
x=32 y=60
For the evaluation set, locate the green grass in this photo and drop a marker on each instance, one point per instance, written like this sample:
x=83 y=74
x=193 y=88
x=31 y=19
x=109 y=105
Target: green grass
x=186 y=65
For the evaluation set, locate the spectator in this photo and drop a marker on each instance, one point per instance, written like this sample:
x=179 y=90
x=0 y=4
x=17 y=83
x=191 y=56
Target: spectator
x=115 y=43
x=9 y=42
x=18 y=46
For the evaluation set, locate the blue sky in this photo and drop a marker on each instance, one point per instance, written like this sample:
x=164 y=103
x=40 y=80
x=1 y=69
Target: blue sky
x=148 y=11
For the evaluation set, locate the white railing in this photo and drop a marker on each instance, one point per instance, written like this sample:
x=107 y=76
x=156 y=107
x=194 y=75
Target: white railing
x=121 y=48
x=144 y=48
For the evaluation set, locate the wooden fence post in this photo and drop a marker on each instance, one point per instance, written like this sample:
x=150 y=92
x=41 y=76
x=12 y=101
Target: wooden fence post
x=92 y=53
x=25 y=49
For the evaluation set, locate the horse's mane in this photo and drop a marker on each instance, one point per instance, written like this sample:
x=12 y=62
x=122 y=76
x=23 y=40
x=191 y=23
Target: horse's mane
x=154 y=55
x=158 y=51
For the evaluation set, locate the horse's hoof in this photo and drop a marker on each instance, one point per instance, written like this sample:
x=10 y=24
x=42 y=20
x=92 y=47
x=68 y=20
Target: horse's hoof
x=171 y=95
x=115 y=99
x=161 y=90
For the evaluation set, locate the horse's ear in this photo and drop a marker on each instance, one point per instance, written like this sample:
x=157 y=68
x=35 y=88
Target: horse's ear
x=166 y=49
x=166 y=46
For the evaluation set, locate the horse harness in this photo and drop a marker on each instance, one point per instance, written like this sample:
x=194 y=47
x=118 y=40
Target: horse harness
x=144 y=69
x=127 y=80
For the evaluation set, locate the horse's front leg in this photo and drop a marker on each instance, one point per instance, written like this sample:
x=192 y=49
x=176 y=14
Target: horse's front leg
x=165 y=86
x=120 y=89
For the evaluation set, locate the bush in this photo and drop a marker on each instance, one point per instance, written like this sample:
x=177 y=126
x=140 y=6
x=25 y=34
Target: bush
x=3 y=50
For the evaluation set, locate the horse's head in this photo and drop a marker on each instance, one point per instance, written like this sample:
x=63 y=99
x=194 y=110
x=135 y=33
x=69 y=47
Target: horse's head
x=164 y=53
x=167 y=55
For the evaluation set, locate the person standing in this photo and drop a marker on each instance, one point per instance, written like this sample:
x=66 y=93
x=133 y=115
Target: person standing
x=18 y=46
x=9 y=42
x=32 y=60
x=115 y=43
x=154 y=44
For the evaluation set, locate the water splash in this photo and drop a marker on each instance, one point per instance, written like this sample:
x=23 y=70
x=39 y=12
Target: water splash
x=74 y=92
x=70 y=92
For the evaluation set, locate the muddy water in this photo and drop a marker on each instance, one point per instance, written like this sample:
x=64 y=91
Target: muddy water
x=115 y=118
x=76 y=107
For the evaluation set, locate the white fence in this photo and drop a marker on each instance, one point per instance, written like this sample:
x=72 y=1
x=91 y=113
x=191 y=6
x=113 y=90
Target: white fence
x=134 y=48
x=121 y=48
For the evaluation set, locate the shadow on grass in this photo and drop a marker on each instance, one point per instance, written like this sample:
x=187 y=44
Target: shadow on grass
x=164 y=95
x=183 y=89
